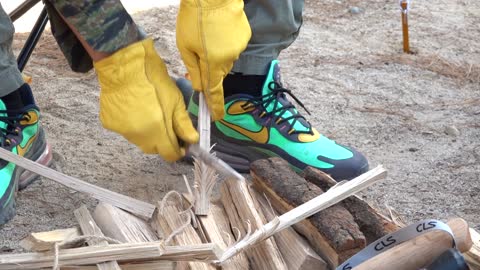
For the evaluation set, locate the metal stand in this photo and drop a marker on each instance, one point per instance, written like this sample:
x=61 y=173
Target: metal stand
x=35 y=34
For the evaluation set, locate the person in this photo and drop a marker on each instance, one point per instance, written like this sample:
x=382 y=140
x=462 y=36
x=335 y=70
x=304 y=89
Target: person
x=257 y=120
x=139 y=100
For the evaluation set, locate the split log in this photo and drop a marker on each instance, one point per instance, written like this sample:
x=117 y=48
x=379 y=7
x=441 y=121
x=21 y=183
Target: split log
x=43 y=241
x=167 y=220
x=156 y=265
x=132 y=205
x=306 y=210
x=241 y=209
x=119 y=252
x=216 y=227
x=473 y=255
x=89 y=227
x=332 y=232
x=297 y=253
x=373 y=224
x=122 y=226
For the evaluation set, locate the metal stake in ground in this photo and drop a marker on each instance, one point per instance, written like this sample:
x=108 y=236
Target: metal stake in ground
x=405 y=7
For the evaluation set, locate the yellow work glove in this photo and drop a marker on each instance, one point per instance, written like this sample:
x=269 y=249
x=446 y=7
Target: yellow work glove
x=139 y=100
x=211 y=34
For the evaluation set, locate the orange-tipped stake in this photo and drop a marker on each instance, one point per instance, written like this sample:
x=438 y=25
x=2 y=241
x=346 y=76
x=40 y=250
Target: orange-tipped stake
x=405 y=7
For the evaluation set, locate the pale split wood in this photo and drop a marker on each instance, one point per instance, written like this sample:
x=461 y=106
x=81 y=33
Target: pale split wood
x=167 y=218
x=204 y=175
x=422 y=250
x=127 y=252
x=297 y=253
x=155 y=265
x=217 y=229
x=89 y=227
x=240 y=207
x=43 y=241
x=122 y=226
x=129 y=204
x=473 y=254
x=307 y=209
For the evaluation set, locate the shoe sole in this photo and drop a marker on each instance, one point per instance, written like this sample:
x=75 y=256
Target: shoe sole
x=8 y=212
x=42 y=154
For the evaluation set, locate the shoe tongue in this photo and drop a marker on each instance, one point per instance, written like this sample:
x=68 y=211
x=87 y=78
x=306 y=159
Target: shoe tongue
x=273 y=75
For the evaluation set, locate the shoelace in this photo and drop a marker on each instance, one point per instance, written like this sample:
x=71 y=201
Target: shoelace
x=278 y=92
x=11 y=126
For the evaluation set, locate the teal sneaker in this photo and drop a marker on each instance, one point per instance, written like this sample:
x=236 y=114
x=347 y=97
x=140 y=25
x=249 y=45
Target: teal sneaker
x=22 y=135
x=270 y=125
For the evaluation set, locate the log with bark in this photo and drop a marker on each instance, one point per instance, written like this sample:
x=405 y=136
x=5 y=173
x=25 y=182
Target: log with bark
x=373 y=224
x=297 y=253
x=333 y=232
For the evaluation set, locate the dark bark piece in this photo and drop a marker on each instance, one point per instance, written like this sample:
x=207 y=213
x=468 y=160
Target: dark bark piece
x=335 y=224
x=372 y=224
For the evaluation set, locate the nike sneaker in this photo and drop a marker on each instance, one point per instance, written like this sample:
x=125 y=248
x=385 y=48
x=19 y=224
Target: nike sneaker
x=22 y=135
x=269 y=125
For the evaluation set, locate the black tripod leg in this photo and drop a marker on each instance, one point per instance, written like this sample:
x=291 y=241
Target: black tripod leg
x=32 y=39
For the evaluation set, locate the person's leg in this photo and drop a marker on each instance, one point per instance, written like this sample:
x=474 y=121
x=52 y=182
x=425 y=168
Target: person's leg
x=20 y=131
x=260 y=120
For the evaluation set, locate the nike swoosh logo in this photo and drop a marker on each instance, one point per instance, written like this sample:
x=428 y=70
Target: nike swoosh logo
x=260 y=136
x=22 y=150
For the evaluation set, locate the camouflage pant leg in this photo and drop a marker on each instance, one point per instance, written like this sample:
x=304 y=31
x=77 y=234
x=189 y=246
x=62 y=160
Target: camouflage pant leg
x=104 y=24
x=10 y=76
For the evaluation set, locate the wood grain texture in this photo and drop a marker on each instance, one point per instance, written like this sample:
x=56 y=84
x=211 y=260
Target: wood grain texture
x=119 y=252
x=240 y=207
x=89 y=227
x=372 y=224
x=217 y=230
x=297 y=253
x=43 y=241
x=473 y=254
x=129 y=204
x=335 y=224
x=123 y=226
x=155 y=265
x=170 y=220
x=422 y=250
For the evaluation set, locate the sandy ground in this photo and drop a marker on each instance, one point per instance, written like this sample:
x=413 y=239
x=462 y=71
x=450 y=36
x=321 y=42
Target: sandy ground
x=418 y=115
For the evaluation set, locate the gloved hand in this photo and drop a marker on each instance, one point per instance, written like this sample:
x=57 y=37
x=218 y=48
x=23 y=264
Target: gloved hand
x=211 y=34
x=139 y=100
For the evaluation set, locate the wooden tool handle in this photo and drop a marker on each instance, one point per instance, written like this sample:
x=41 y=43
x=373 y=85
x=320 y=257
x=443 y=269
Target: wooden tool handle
x=422 y=250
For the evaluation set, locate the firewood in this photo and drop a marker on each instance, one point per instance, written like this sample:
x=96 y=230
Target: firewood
x=168 y=218
x=122 y=226
x=335 y=224
x=43 y=241
x=373 y=224
x=473 y=255
x=205 y=177
x=297 y=253
x=240 y=207
x=217 y=229
x=89 y=227
x=118 y=252
x=155 y=265
x=132 y=205
x=296 y=215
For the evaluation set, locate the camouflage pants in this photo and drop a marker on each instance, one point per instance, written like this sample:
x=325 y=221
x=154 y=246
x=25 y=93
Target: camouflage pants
x=10 y=76
x=107 y=27
x=104 y=24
